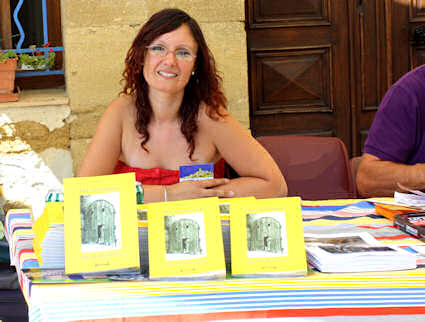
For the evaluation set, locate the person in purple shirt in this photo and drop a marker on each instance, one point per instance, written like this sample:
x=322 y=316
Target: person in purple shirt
x=394 y=151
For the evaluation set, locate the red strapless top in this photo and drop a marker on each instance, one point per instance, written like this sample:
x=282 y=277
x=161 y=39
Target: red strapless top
x=159 y=176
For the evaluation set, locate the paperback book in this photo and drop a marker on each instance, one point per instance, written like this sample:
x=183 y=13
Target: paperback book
x=185 y=240
x=225 y=205
x=266 y=238
x=48 y=242
x=355 y=252
x=101 y=231
x=58 y=276
x=412 y=198
x=412 y=223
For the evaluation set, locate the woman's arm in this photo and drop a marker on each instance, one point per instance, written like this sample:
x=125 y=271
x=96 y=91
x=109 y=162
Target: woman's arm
x=104 y=150
x=259 y=174
x=379 y=178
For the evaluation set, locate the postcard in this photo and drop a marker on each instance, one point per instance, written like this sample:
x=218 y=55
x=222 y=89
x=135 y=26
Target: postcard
x=196 y=172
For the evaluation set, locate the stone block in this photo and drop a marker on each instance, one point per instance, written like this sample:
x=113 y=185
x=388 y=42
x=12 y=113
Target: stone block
x=90 y=13
x=228 y=45
x=32 y=136
x=78 y=149
x=52 y=116
x=94 y=63
x=84 y=126
x=204 y=10
x=27 y=176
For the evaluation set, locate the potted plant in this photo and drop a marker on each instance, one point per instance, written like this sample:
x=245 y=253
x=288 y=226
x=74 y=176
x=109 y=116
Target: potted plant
x=36 y=60
x=8 y=63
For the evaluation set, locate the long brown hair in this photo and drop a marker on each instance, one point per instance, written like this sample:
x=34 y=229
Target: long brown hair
x=203 y=86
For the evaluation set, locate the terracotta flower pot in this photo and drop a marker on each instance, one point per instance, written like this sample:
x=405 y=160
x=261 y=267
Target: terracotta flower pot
x=7 y=75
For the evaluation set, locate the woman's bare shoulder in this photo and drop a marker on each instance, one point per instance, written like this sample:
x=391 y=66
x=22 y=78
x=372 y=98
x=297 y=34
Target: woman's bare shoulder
x=122 y=102
x=121 y=106
x=208 y=115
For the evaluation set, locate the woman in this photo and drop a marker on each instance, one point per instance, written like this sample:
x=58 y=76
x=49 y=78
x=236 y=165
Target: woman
x=172 y=112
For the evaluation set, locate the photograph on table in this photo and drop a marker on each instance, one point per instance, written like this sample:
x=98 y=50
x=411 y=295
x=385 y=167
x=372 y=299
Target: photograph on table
x=100 y=222
x=266 y=238
x=101 y=230
x=185 y=236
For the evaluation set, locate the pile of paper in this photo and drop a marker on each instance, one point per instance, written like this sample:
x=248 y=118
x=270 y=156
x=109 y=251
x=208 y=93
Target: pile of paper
x=415 y=198
x=355 y=252
x=53 y=248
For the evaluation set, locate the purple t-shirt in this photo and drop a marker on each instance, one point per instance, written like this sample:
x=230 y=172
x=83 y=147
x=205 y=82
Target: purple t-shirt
x=398 y=130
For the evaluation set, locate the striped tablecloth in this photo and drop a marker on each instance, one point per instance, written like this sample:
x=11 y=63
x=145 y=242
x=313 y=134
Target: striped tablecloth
x=318 y=294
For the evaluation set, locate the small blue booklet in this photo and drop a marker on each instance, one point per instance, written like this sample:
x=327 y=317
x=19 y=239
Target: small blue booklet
x=197 y=172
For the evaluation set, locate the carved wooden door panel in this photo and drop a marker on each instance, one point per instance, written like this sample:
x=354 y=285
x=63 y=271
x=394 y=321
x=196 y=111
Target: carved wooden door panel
x=321 y=67
x=383 y=50
x=299 y=68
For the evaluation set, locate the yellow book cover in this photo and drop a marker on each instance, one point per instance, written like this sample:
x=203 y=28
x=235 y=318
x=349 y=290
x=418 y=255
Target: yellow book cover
x=142 y=215
x=52 y=214
x=225 y=205
x=266 y=238
x=101 y=224
x=185 y=240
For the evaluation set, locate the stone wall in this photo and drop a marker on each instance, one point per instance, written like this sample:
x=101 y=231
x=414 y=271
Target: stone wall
x=97 y=35
x=34 y=144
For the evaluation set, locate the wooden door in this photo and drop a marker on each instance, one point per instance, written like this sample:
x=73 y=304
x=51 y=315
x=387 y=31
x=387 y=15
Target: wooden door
x=299 y=68
x=383 y=50
x=321 y=67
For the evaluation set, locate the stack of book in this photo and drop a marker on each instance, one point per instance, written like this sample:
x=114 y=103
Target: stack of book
x=52 y=252
x=355 y=252
x=93 y=232
x=48 y=242
x=412 y=198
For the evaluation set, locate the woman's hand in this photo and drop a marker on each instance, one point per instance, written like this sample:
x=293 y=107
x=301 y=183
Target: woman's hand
x=198 y=189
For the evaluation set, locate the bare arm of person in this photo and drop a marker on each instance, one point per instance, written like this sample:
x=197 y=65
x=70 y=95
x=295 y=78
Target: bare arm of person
x=259 y=174
x=379 y=178
x=187 y=190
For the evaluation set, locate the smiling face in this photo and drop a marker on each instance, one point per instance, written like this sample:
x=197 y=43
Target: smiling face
x=168 y=74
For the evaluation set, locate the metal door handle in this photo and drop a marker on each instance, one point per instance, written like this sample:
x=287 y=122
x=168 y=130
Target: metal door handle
x=419 y=35
x=360 y=6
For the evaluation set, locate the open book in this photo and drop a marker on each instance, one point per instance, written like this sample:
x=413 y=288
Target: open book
x=354 y=252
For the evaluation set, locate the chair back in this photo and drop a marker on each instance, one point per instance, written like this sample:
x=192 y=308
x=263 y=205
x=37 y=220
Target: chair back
x=354 y=164
x=315 y=168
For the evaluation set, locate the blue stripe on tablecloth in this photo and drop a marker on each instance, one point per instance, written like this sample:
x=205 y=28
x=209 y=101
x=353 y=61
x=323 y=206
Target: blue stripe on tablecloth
x=13 y=216
x=228 y=302
x=360 y=204
x=338 y=218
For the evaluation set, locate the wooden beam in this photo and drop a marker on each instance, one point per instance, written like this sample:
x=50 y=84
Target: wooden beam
x=5 y=25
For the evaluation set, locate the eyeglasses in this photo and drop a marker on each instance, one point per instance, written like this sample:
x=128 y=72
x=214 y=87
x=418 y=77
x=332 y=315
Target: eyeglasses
x=161 y=51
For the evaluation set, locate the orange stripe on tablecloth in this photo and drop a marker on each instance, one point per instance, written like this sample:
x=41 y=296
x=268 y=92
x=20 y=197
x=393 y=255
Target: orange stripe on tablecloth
x=393 y=237
x=375 y=227
x=272 y=314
